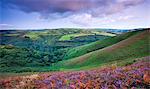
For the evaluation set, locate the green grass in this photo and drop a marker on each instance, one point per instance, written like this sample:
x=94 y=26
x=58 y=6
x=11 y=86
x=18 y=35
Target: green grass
x=25 y=69
x=36 y=35
x=81 y=50
x=103 y=33
x=121 y=53
x=70 y=36
x=11 y=35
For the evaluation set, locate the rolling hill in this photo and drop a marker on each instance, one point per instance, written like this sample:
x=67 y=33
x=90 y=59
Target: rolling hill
x=80 y=50
x=120 y=62
x=121 y=53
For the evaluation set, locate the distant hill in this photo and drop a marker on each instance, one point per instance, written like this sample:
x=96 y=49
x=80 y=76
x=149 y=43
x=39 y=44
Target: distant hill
x=121 y=53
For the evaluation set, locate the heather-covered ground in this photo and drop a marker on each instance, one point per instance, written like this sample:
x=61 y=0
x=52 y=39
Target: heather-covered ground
x=135 y=76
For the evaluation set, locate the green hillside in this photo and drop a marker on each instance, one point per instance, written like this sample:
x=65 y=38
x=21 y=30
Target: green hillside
x=121 y=53
x=78 y=51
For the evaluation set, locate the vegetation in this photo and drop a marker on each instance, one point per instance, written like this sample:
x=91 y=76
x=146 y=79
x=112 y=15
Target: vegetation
x=13 y=59
x=94 y=61
x=71 y=36
x=25 y=51
x=135 y=76
x=78 y=51
x=104 y=33
x=122 y=52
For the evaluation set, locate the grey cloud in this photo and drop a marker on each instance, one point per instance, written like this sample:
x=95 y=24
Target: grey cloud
x=93 y=7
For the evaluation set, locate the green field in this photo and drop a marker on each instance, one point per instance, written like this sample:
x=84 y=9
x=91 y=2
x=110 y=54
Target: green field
x=103 y=33
x=36 y=35
x=70 y=36
x=11 y=35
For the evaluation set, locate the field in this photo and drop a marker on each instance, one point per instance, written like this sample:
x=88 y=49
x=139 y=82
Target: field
x=70 y=36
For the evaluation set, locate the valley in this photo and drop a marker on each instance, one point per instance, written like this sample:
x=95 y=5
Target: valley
x=29 y=50
x=74 y=58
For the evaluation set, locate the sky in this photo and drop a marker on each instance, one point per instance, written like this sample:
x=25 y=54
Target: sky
x=49 y=14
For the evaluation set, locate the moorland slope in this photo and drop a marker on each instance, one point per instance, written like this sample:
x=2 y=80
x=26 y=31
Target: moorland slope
x=121 y=53
x=80 y=50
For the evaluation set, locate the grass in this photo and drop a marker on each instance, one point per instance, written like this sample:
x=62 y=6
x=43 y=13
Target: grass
x=11 y=34
x=134 y=47
x=25 y=69
x=70 y=36
x=81 y=50
x=35 y=35
x=6 y=75
x=103 y=33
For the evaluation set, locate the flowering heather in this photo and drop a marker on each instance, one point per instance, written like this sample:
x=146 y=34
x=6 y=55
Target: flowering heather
x=132 y=76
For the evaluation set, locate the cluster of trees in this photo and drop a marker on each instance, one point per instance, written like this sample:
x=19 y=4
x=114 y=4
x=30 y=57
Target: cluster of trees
x=13 y=56
x=14 y=59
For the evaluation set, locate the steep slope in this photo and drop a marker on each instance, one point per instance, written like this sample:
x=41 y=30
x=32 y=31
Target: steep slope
x=120 y=53
x=81 y=50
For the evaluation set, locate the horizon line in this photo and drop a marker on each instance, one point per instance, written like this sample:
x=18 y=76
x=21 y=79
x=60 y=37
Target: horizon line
x=73 y=28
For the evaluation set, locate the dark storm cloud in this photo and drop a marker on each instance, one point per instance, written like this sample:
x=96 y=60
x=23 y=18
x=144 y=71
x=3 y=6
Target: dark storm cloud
x=93 y=7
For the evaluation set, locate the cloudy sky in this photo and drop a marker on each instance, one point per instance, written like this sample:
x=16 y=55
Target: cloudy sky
x=37 y=14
